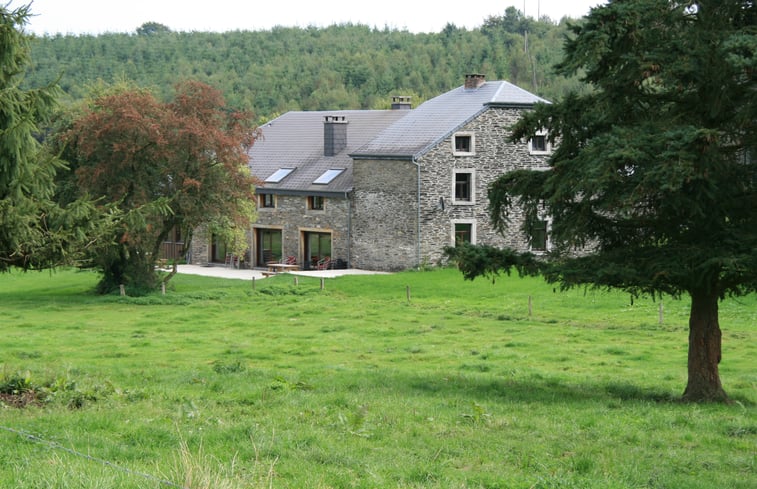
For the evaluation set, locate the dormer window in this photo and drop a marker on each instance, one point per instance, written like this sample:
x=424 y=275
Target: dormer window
x=539 y=144
x=279 y=175
x=327 y=176
x=463 y=144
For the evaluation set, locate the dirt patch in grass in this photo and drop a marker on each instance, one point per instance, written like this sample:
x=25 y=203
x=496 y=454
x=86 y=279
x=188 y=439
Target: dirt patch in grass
x=20 y=400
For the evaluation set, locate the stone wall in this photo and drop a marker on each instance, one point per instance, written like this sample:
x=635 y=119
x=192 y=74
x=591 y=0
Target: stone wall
x=385 y=215
x=200 y=250
x=388 y=204
x=492 y=156
x=292 y=216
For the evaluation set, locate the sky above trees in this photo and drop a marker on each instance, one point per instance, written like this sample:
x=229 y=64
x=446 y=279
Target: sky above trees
x=96 y=16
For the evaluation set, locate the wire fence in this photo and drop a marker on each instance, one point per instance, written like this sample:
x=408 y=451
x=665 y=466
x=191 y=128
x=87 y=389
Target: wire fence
x=57 y=446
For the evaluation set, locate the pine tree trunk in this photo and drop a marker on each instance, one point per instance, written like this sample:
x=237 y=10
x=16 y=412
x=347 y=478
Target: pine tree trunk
x=704 y=350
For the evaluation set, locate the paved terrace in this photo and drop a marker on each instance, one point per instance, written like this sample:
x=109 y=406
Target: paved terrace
x=243 y=274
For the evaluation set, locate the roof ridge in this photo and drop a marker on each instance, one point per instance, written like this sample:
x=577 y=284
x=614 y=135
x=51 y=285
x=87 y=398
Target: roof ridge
x=499 y=89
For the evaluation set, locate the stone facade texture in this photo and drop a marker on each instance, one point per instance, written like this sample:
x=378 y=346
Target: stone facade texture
x=385 y=215
x=200 y=250
x=399 y=224
x=292 y=216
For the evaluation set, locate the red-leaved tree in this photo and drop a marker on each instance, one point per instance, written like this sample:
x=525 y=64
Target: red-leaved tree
x=168 y=166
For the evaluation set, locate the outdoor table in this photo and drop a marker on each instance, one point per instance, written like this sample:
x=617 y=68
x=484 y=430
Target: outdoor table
x=282 y=267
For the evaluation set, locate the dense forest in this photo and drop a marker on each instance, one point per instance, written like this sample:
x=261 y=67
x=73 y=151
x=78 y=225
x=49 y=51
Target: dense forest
x=343 y=66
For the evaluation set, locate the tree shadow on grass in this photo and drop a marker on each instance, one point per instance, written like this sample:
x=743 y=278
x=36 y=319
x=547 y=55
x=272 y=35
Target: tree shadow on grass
x=536 y=390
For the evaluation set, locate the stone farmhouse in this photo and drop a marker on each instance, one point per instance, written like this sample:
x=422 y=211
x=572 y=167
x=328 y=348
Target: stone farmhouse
x=386 y=189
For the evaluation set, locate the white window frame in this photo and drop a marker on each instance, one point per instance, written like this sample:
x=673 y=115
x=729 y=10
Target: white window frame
x=472 y=223
x=472 y=148
x=547 y=145
x=547 y=242
x=472 y=173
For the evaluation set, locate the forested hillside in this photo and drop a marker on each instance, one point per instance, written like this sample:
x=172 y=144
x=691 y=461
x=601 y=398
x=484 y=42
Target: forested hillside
x=338 y=67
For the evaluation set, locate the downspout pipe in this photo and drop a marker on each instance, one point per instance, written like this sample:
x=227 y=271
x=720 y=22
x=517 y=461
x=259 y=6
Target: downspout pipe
x=418 y=217
x=348 y=197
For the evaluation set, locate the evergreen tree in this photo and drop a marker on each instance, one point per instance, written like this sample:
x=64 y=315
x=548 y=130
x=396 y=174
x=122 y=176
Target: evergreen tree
x=34 y=232
x=654 y=183
x=270 y=72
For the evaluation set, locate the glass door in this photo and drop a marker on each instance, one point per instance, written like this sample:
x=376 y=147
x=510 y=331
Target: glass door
x=269 y=246
x=318 y=247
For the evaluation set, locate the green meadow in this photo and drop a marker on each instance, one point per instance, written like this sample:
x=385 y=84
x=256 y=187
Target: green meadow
x=409 y=380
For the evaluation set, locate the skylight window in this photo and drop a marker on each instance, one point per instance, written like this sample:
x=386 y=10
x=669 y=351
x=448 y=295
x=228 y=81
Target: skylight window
x=328 y=176
x=279 y=175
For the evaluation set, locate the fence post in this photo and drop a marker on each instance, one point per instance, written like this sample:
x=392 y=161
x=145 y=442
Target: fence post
x=661 y=313
x=530 y=306
x=323 y=283
x=253 y=283
x=407 y=292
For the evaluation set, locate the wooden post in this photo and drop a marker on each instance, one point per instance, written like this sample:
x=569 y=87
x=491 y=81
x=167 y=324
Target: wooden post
x=323 y=283
x=661 y=313
x=296 y=280
x=530 y=306
x=163 y=288
x=123 y=289
x=253 y=283
x=407 y=292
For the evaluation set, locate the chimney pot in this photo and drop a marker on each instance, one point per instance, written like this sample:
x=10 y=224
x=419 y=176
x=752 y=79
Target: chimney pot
x=474 y=80
x=334 y=134
x=401 y=102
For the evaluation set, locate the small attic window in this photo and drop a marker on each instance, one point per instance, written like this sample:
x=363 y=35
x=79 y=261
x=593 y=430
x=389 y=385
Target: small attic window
x=463 y=144
x=328 y=176
x=539 y=144
x=279 y=175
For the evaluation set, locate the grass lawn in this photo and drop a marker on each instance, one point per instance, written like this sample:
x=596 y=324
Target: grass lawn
x=465 y=385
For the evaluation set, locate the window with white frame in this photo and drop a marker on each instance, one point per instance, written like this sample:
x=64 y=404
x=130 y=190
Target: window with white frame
x=539 y=144
x=463 y=144
x=539 y=239
x=463 y=231
x=463 y=186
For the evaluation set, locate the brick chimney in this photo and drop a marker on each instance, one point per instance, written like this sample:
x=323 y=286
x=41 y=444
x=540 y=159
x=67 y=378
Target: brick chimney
x=334 y=134
x=474 y=80
x=401 y=102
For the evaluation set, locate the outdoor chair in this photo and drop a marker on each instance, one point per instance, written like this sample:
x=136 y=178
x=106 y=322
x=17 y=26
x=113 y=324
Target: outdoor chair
x=324 y=263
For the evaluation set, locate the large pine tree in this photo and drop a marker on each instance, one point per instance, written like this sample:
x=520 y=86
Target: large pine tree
x=34 y=232
x=654 y=182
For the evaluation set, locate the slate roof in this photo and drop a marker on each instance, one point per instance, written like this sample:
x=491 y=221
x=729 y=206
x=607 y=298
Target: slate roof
x=295 y=140
x=436 y=119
